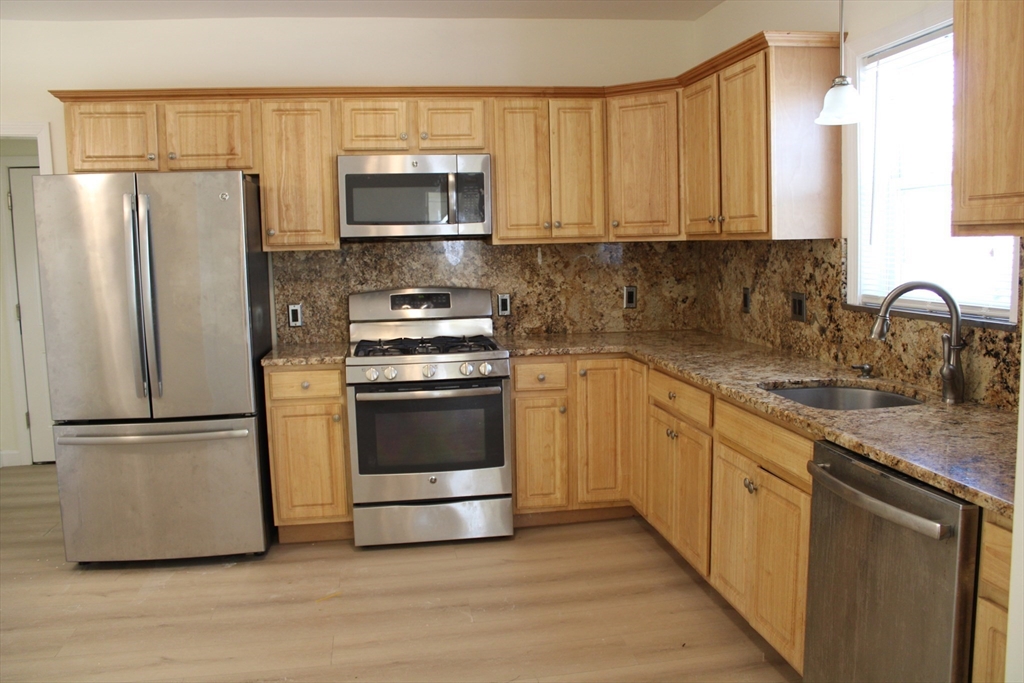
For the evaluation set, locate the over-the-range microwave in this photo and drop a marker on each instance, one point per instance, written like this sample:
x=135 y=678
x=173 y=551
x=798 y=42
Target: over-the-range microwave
x=405 y=195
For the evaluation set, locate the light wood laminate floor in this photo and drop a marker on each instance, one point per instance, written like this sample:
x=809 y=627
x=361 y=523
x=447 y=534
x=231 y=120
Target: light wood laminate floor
x=605 y=601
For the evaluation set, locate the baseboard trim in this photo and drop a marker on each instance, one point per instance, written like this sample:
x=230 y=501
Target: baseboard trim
x=524 y=520
x=313 y=533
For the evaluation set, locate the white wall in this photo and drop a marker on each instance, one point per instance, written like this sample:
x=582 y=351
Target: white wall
x=39 y=56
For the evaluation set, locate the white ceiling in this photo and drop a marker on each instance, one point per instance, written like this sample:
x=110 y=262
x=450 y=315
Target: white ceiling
x=108 y=10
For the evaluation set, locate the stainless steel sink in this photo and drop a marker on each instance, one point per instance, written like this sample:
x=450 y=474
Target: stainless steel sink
x=844 y=398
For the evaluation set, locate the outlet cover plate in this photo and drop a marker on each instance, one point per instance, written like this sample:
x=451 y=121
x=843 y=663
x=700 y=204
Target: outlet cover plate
x=504 y=304
x=294 y=315
x=629 y=296
x=798 y=306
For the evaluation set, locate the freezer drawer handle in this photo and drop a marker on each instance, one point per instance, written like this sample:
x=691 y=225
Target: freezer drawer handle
x=417 y=395
x=926 y=527
x=151 y=438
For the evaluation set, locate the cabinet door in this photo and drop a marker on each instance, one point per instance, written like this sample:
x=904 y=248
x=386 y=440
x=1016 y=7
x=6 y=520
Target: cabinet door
x=988 y=111
x=298 y=187
x=542 y=452
x=779 y=597
x=635 y=434
x=208 y=135
x=744 y=146
x=307 y=456
x=602 y=473
x=521 y=167
x=643 y=159
x=112 y=136
x=698 y=136
x=989 y=643
x=451 y=124
x=661 y=472
x=733 y=519
x=367 y=125
x=693 y=493
x=577 y=168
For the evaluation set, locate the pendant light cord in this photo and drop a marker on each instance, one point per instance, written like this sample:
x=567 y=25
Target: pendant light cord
x=842 y=36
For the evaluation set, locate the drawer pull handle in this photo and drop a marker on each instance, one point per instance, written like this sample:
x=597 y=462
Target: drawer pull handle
x=336 y=417
x=561 y=409
x=305 y=385
x=541 y=377
x=671 y=395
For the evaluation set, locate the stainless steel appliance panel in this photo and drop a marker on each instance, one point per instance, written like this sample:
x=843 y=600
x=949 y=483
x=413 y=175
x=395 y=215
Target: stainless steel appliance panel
x=472 y=167
x=195 y=293
x=160 y=490
x=389 y=524
x=86 y=229
x=891 y=576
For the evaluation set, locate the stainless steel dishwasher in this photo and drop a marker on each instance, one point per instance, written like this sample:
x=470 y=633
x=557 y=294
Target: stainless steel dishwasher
x=890 y=588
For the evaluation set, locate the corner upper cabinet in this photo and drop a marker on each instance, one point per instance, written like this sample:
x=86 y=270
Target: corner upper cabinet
x=298 y=187
x=754 y=165
x=112 y=136
x=549 y=170
x=643 y=167
x=988 y=116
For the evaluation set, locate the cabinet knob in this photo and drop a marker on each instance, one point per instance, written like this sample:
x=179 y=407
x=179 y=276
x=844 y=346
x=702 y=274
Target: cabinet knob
x=668 y=432
x=615 y=224
x=547 y=224
x=749 y=485
x=541 y=377
x=561 y=409
x=558 y=224
x=721 y=219
x=151 y=156
x=403 y=136
x=711 y=219
x=583 y=373
x=671 y=395
x=305 y=385
x=336 y=417
x=172 y=156
x=424 y=136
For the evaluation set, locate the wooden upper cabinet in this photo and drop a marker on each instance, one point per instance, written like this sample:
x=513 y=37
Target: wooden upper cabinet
x=988 y=113
x=208 y=135
x=699 y=192
x=602 y=473
x=643 y=167
x=451 y=124
x=299 y=190
x=112 y=136
x=367 y=125
x=549 y=170
x=744 y=146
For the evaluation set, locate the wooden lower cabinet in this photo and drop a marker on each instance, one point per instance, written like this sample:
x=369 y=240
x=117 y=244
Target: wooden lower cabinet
x=661 y=473
x=306 y=433
x=636 y=433
x=733 y=520
x=991 y=614
x=602 y=472
x=542 y=452
x=990 y=622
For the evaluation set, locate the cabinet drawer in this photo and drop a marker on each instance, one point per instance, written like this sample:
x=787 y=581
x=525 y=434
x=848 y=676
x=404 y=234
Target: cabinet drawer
x=994 y=572
x=774 y=444
x=690 y=402
x=541 y=376
x=305 y=384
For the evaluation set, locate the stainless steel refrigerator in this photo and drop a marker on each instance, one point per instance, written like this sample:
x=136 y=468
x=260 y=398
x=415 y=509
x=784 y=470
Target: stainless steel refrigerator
x=155 y=314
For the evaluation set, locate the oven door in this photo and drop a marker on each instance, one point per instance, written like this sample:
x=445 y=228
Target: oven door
x=430 y=440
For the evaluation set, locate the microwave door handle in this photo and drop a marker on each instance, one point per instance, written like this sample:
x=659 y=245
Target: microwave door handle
x=453 y=199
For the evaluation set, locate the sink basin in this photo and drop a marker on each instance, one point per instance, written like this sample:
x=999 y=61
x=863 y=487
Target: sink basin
x=844 y=398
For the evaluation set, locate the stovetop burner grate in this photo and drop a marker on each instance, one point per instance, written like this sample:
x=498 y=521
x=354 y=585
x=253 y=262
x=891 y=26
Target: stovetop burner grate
x=406 y=346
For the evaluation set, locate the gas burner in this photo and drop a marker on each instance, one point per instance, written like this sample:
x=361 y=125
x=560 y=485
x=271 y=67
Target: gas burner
x=433 y=346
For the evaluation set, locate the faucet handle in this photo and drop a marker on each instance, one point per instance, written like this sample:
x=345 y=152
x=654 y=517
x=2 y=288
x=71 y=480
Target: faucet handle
x=865 y=370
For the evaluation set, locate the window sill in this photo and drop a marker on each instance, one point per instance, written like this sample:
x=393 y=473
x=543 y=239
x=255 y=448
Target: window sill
x=965 y=320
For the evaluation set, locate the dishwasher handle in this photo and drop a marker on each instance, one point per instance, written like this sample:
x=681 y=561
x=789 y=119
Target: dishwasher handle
x=934 y=530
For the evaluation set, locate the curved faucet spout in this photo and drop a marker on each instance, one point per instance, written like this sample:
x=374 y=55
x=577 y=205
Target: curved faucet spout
x=952 y=373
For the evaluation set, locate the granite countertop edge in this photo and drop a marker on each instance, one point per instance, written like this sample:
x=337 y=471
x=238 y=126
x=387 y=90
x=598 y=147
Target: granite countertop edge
x=967 y=450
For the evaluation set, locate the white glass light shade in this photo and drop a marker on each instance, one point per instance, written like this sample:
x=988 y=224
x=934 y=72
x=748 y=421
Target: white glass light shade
x=842 y=104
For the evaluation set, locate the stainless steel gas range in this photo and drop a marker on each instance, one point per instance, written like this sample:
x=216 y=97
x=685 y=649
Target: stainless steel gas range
x=429 y=417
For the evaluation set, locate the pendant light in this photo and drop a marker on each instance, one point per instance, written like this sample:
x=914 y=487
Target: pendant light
x=842 y=102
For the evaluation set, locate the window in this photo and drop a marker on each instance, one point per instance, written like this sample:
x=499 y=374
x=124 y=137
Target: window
x=904 y=198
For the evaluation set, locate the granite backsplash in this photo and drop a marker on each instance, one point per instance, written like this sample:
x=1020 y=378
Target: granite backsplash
x=572 y=288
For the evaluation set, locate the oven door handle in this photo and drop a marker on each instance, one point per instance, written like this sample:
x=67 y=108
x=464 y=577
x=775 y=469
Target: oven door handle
x=418 y=395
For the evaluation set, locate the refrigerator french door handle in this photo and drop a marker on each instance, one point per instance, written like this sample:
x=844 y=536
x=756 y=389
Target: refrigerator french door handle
x=131 y=238
x=149 y=286
x=453 y=199
x=128 y=440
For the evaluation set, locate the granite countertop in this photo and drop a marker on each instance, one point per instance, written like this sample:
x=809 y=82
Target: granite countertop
x=968 y=450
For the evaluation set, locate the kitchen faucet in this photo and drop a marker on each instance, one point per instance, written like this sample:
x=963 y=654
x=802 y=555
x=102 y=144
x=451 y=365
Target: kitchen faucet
x=952 y=372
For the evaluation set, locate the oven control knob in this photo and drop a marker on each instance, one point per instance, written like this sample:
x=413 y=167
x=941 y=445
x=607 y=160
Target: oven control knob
x=485 y=369
x=372 y=374
x=429 y=371
x=466 y=369
x=390 y=373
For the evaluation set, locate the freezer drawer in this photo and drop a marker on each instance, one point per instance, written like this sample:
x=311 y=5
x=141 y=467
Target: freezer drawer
x=159 y=491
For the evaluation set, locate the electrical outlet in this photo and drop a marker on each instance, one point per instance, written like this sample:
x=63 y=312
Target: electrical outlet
x=629 y=296
x=745 y=307
x=294 y=315
x=504 y=304
x=798 y=306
